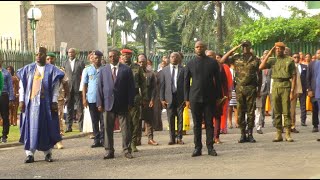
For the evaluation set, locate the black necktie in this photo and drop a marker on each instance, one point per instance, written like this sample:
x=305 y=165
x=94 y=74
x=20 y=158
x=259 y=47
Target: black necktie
x=173 y=87
x=114 y=76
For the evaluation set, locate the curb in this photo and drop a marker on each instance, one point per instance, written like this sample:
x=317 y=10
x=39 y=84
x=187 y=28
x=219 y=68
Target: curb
x=13 y=144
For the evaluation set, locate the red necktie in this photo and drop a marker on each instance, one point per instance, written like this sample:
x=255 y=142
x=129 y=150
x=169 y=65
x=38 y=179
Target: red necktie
x=114 y=76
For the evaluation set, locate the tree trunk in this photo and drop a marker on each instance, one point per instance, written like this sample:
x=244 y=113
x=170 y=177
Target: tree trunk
x=148 y=41
x=125 y=38
x=114 y=33
x=24 y=43
x=107 y=53
x=114 y=24
x=219 y=27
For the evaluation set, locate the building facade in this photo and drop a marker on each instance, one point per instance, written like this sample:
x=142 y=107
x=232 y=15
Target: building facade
x=80 y=24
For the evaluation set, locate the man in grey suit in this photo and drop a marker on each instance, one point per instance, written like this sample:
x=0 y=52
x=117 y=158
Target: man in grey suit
x=115 y=97
x=172 y=95
x=264 y=92
x=73 y=70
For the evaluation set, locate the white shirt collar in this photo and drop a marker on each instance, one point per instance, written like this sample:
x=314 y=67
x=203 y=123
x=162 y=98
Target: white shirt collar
x=112 y=66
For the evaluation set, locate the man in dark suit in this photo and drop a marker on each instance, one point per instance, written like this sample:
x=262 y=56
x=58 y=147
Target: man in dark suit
x=311 y=88
x=172 y=95
x=202 y=96
x=147 y=110
x=73 y=70
x=115 y=96
x=302 y=98
x=264 y=92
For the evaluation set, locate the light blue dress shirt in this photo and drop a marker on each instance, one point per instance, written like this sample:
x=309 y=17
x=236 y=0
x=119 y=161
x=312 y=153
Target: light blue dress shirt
x=90 y=76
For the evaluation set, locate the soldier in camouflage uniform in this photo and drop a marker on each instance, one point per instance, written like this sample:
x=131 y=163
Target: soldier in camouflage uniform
x=63 y=95
x=140 y=97
x=248 y=80
x=283 y=70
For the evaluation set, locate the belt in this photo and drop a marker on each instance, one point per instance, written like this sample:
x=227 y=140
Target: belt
x=281 y=79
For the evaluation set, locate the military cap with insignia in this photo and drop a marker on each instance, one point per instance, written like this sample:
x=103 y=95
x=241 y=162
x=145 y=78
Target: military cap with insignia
x=98 y=53
x=126 y=51
x=51 y=54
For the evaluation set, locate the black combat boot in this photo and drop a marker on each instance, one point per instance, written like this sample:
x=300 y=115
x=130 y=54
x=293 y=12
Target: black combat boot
x=250 y=136
x=243 y=137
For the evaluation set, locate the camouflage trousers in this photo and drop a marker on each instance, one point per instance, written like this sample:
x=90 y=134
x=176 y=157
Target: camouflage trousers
x=61 y=114
x=134 y=119
x=246 y=103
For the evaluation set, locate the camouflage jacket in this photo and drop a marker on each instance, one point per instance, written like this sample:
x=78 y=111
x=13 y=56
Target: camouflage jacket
x=247 y=71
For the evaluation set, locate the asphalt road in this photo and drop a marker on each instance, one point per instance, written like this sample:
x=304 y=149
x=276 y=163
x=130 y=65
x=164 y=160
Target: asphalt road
x=264 y=159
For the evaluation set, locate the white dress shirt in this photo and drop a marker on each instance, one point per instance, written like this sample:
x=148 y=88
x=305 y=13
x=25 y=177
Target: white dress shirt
x=72 y=63
x=175 y=73
x=117 y=68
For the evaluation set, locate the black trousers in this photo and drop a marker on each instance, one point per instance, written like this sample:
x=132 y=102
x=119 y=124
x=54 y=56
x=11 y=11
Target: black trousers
x=303 y=114
x=315 y=112
x=74 y=100
x=4 y=111
x=175 y=110
x=199 y=111
x=97 y=119
x=109 y=119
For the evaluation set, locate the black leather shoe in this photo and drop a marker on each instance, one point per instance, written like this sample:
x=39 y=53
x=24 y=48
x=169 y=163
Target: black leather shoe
x=108 y=155
x=48 y=158
x=171 y=143
x=315 y=129
x=212 y=152
x=259 y=131
x=128 y=155
x=94 y=145
x=196 y=152
x=242 y=139
x=303 y=124
x=29 y=159
x=4 y=140
x=68 y=130
x=251 y=139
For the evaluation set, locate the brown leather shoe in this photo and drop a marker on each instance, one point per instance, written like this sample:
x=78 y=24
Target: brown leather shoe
x=179 y=141
x=294 y=130
x=152 y=142
x=128 y=155
x=171 y=143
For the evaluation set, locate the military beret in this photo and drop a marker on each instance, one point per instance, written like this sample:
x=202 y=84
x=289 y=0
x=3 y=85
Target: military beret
x=126 y=51
x=246 y=43
x=98 y=53
x=41 y=50
x=280 y=44
x=51 y=54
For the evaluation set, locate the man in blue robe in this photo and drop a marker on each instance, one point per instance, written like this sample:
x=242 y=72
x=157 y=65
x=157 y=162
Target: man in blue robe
x=39 y=122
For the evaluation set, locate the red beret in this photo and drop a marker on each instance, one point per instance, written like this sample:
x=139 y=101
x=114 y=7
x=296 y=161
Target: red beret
x=126 y=51
x=280 y=44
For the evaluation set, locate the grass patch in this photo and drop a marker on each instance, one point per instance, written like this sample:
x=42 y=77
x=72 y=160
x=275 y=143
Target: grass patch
x=14 y=132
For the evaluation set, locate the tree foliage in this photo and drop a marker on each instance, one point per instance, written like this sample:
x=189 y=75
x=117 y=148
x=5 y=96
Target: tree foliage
x=305 y=29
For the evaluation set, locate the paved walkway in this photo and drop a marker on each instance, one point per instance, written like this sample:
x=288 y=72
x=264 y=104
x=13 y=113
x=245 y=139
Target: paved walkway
x=263 y=159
